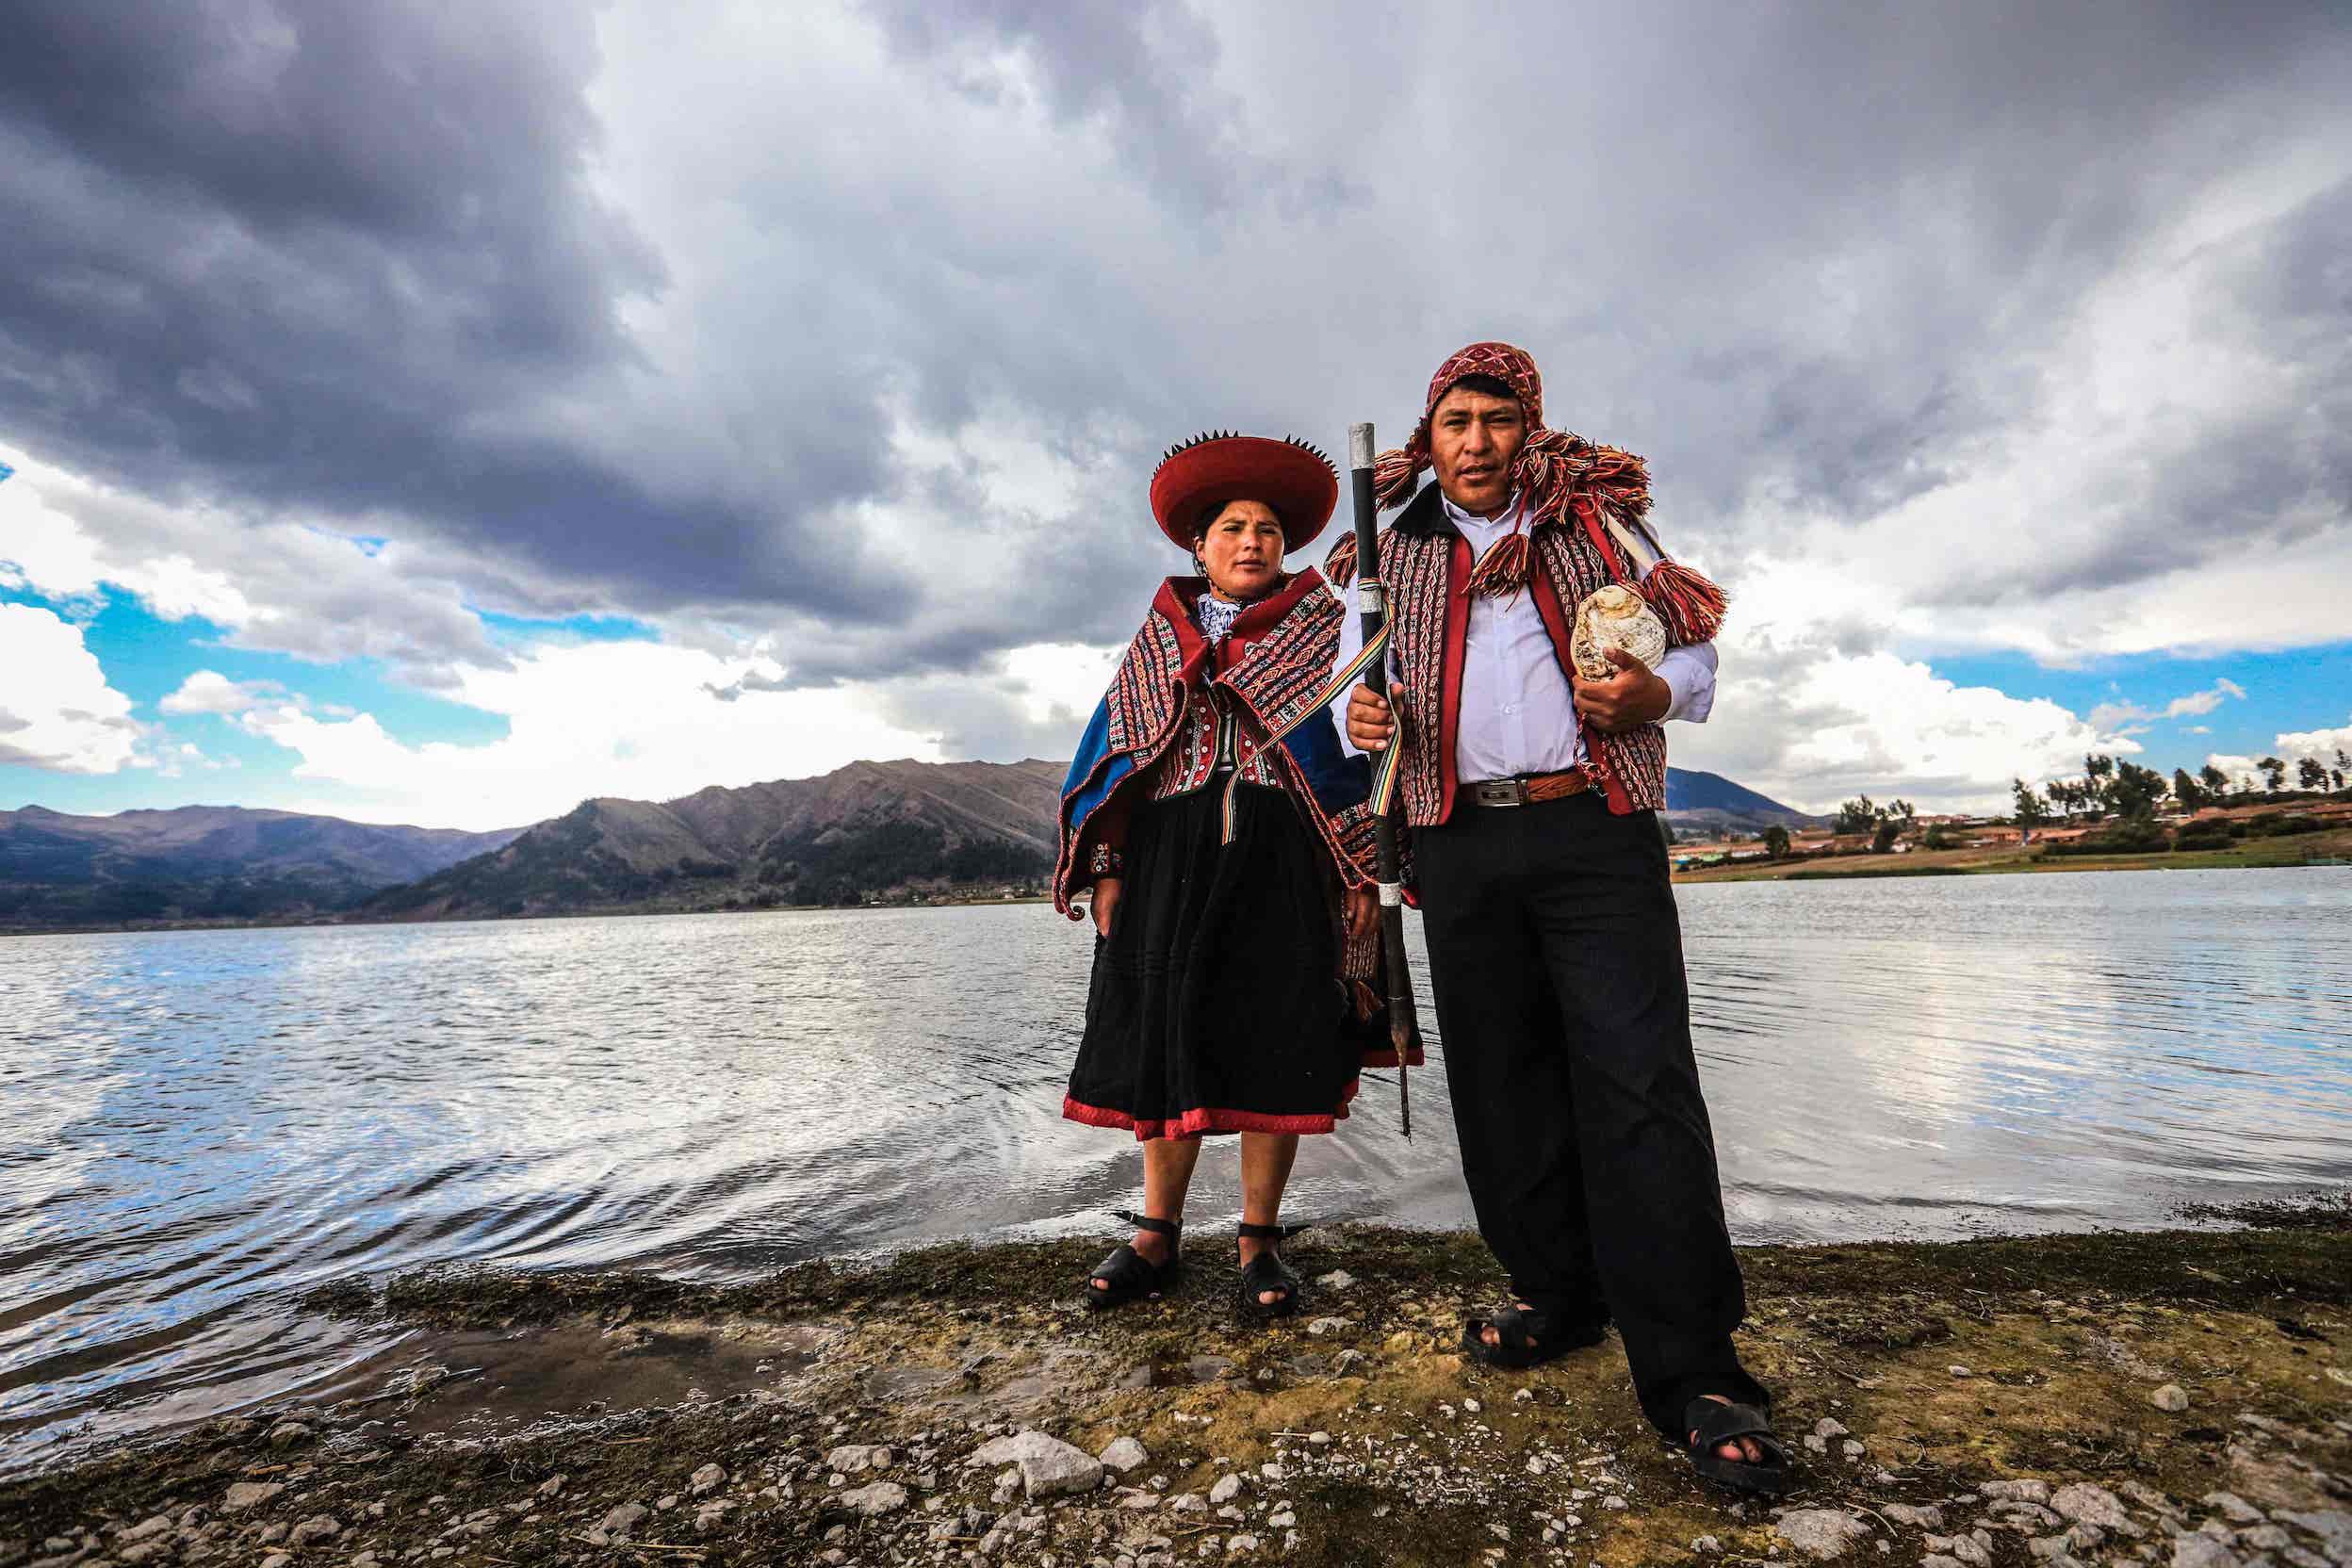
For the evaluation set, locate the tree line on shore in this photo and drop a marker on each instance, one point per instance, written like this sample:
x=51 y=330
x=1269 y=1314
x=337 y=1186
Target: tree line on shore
x=2124 y=789
x=2131 y=795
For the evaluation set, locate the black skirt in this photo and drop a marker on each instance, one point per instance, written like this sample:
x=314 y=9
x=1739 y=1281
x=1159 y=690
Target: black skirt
x=1216 y=1005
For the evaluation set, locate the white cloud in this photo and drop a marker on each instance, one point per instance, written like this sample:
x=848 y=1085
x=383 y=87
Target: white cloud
x=2109 y=716
x=2322 y=743
x=270 y=584
x=56 y=711
x=210 y=691
x=634 y=719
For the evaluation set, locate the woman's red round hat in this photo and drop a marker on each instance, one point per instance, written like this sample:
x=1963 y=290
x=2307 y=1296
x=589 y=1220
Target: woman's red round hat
x=1216 y=467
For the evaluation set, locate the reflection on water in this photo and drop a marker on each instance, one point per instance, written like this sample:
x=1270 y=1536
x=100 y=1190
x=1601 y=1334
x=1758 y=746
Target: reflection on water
x=195 y=1125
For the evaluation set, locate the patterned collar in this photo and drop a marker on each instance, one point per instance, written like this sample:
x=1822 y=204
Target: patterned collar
x=1216 y=616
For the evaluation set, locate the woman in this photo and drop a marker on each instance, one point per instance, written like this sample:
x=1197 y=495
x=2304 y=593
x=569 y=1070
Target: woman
x=1221 y=828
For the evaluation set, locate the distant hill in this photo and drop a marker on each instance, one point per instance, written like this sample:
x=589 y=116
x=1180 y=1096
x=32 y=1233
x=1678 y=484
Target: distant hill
x=865 y=830
x=208 y=863
x=870 y=828
x=1710 y=802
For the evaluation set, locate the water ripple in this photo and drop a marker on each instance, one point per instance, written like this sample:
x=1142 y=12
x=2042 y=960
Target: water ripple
x=196 y=1126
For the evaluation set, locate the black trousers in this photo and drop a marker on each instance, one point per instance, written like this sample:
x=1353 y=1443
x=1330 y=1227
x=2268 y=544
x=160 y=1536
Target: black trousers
x=1556 y=956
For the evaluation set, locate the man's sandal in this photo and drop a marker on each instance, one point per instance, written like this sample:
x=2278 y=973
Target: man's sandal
x=1267 y=1274
x=1127 y=1275
x=1528 y=1337
x=1717 y=1424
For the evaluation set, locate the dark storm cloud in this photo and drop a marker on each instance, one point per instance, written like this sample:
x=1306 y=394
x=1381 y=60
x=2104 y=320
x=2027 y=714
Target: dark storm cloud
x=336 y=257
x=1814 y=262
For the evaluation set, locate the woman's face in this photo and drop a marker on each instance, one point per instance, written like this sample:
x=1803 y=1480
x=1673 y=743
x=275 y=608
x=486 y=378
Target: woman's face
x=1242 y=550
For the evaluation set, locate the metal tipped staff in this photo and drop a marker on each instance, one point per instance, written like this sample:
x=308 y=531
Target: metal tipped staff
x=1404 y=1025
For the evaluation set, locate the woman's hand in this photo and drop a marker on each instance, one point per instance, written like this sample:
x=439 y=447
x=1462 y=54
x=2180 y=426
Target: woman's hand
x=1364 y=911
x=1105 y=904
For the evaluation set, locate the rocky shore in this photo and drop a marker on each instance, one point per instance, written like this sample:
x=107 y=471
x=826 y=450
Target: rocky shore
x=2180 y=1399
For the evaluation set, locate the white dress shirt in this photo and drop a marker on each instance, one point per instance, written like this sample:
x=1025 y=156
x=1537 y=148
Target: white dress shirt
x=1518 y=710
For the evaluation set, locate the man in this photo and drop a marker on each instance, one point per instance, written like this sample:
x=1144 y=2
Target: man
x=1555 y=949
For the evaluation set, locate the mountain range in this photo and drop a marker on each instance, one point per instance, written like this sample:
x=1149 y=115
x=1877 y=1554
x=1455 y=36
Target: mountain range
x=208 y=863
x=865 y=830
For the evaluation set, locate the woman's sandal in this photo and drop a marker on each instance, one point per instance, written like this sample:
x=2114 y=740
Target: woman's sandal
x=1268 y=1273
x=1127 y=1275
x=1528 y=1336
x=1717 y=1424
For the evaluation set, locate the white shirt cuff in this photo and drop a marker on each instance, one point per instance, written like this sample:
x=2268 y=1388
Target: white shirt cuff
x=1689 y=675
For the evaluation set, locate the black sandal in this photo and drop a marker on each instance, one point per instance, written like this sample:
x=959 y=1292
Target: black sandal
x=1528 y=1336
x=1717 y=1424
x=1127 y=1275
x=1269 y=1272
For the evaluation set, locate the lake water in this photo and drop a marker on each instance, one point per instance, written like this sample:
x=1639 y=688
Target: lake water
x=195 y=1126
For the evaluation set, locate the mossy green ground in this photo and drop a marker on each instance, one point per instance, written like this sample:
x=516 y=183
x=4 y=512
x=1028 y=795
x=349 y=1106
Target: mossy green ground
x=2063 y=1339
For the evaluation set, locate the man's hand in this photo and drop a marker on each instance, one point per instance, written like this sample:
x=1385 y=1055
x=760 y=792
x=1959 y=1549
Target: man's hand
x=1105 y=902
x=1371 y=722
x=1630 y=697
x=1363 y=912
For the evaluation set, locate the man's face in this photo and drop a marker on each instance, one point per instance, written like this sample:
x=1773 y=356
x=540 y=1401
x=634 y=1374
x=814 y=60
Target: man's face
x=1473 y=438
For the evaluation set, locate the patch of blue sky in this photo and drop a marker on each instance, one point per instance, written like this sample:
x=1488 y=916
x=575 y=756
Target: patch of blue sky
x=2301 y=689
x=521 y=630
x=147 y=658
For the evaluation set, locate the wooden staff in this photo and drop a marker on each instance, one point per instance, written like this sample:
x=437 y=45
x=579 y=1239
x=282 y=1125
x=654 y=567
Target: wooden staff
x=1404 y=1025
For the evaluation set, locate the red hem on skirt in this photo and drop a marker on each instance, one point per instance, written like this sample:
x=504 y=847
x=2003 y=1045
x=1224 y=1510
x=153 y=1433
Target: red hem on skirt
x=1200 y=1120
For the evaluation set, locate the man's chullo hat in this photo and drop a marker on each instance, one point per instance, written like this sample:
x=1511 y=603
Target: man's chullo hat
x=1217 y=466
x=1560 y=477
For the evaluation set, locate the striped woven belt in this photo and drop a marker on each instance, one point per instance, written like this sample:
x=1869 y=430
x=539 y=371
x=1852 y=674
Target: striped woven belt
x=1528 y=790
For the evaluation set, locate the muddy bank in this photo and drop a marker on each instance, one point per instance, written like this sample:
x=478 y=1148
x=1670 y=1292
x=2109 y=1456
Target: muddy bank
x=2181 y=1398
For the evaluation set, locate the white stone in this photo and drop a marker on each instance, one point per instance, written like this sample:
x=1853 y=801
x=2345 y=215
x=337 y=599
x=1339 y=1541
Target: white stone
x=707 y=1480
x=1124 y=1453
x=851 y=1457
x=2093 y=1505
x=318 y=1527
x=1829 y=1426
x=1329 y=1325
x=874 y=1499
x=620 y=1521
x=1226 y=1489
x=1821 y=1533
x=2023 y=1492
x=1919 y=1516
x=2201 y=1551
x=2233 y=1507
x=247 y=1494
x=2171 y=1396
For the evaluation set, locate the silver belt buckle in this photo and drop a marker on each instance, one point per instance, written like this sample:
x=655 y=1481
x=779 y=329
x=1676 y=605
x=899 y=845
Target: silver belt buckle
x=1500 y=792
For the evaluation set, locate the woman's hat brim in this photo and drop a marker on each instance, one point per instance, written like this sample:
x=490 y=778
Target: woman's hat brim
x=1294 y=478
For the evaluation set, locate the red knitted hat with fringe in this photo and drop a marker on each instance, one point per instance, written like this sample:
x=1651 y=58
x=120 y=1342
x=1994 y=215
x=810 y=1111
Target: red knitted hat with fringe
x=1561 y=478
x=1216 y=467
x=1513 y=367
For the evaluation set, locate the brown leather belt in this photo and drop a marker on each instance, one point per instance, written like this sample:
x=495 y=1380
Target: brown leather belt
x=1526 y=792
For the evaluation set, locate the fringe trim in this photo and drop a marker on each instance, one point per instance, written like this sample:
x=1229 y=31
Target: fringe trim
x=1502 y=573
x=1692 y=607
x=1339 y=567
x=1206 y=1119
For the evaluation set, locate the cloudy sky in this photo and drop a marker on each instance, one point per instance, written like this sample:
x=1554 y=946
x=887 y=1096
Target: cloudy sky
x=439 y=414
